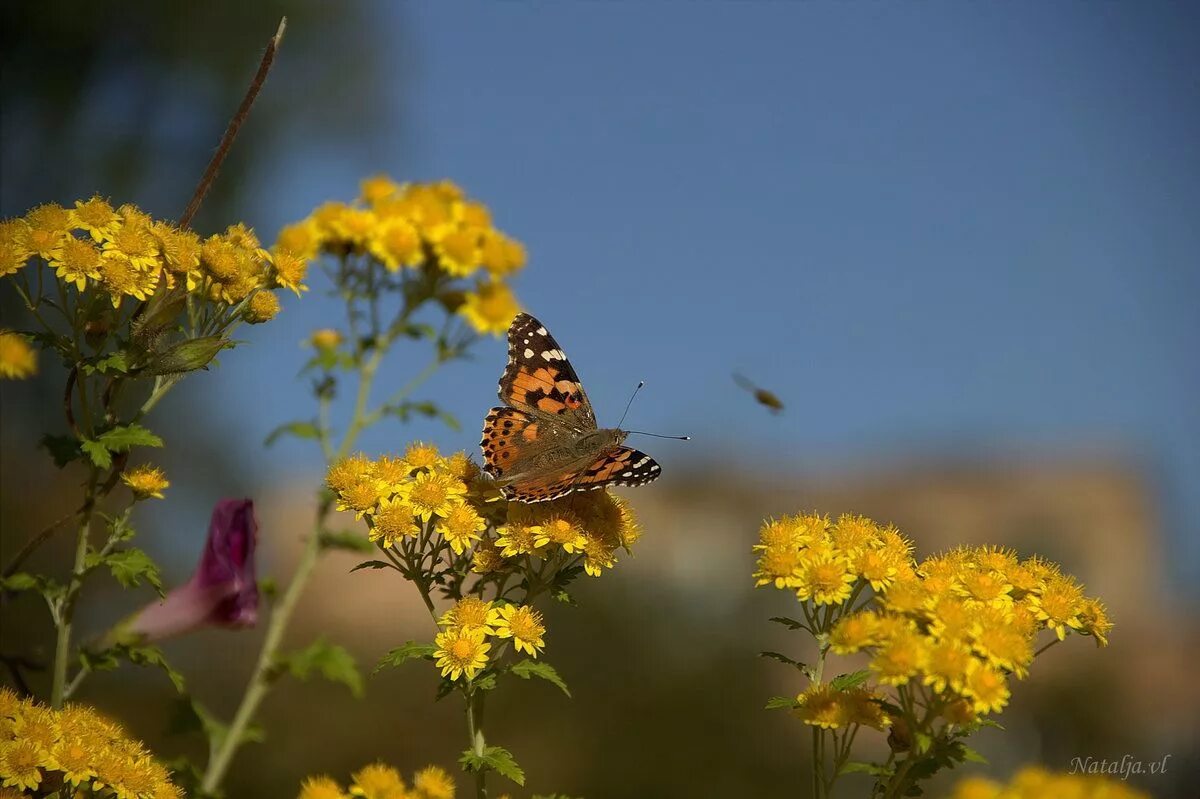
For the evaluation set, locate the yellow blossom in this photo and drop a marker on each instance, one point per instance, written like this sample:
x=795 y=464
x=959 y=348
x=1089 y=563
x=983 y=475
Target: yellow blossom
x=486 y=557
x=77 y=261
x=561 y=530
x=490 y=308
x=95 y=217
x=461 y=651
x=1093 y=620
x=396 y=243
x=854 y=632
x=20 y=764
x=433 y=782
x=347 y=472
x=524 y=625
x=145 y=481
x=825 y=580
x=461 y=526
x=779 y=566
x=393 y=520
x=821 y=706
x=900 y=658
x=377 y=188
x=263 y=307
x=377 y=781
x=121 y=277
x=17 y=359
x=302 y=240
x=986 y=688
x=325 y=339
x=1059 y=604
x=472 y=613
x=420 y=455
x=433 y=494
x=501 y=255
x=320 y=788
x=289 y=271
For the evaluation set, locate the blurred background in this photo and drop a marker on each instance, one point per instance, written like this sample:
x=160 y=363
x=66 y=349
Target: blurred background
x=958 y=240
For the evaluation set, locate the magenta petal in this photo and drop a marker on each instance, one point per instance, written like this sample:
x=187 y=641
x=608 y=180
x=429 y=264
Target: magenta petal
x=223 y=592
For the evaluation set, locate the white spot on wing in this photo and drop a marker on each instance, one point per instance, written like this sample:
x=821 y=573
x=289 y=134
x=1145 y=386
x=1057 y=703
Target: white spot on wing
x=528 y=353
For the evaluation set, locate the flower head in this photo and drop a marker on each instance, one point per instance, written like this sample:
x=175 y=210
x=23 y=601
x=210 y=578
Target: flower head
x=377 y=781
x=433 y=493
x=461 y=651
x=524 y=625
x=490 y=308
x=433 y=782
x=223 y=591
x=145 y=481
x=17 y=359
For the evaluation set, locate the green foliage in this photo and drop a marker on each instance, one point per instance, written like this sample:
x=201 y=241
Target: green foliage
x=63 y=449
x=844 y=682
x=110 y=658
x=348 y=540
x=129 y=566
x=332 y=661
x=188 y=716
x=494 y=758
x=121 y=438
x=404 y=411
x=374 y=564
x=188 y=355
x=784 y=659
x=782 y=703
x=528 y=669
x=411 y=650
x=297 y=429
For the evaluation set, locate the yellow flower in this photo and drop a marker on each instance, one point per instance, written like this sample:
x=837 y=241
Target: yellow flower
x=783 y=533
x=1059 y=604
x=220 y=258
x=290 y=270
x=825 y=580
x=432 y=782
x=96 y=217
x=947 y=665
x=433 y=493
x=76 y=261
x=461 y=651
x=977 y=788
x=394 y=472
x=320 y=788
x=852 y=534
x=393 y=521
x=822 y=706
x=145 y=481
x=360 y=492
x=74 y=759
x=461 y=526
x=302 y=239
x=377 y=781
x=420 y=455
x=985 y=587
x=263 y=307
x=1093 y=620
x=905 y=596
x=377 y=188
x=524 y=625
x=501 y=255
x=121 y=277
x=458 y=251
x=986 y=688
x=348 y=472
x=779 y=565
x=562 y=530
x=353 y=226
x=486 y=557
x=854 y=632
x=12 y=258
x=490 y=308
x=900 y=658
x=20 y=762
x=472 y=613
x=17 y=359
x=46 y=228
x=865 y=708
x=1005 y=646
x=325 y=339
x=396 y=243
x=135 y=243
x=180 y=253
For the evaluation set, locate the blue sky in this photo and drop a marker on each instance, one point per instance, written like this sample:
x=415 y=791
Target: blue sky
x=930 y=227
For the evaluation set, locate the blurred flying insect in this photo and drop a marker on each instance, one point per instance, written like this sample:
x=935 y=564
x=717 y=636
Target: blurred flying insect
x=764 y=397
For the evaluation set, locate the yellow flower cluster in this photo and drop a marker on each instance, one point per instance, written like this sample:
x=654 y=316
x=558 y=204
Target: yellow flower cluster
x=1035 y=782
x=17 y=359
x=126 y=253
x=380 y=781
x=424 y=226
x=957 y=624
x=145 y=481
x=424 y=493
x=462 y=646
x=822 y=705
x=76 y=752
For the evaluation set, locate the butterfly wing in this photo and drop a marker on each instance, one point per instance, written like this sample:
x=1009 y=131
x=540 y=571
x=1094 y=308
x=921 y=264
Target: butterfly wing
x=540 y=380
x=622 y=466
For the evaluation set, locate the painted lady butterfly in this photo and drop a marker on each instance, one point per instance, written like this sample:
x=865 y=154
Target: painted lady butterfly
x=546 y=444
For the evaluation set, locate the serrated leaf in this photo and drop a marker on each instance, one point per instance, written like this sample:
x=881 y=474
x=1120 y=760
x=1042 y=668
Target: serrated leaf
x=373 y=564
x=332 y=661
x=125 y=437
x=782 y=703
x=844 y=682
x=859 y=767
x=411 y=650
x=129 y=567
x=528 y=669
x=971 y=756
x=98 y=453
x=783 y=659
x=19 y=582
x=791 y=624
x=297 y=429
x=116 y=362
x=348 y=540
x=494 y=758
x=153 y=656
x=63 y=449
x=405 y=410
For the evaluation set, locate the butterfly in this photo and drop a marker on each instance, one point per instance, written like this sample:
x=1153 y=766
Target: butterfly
x=544 y=443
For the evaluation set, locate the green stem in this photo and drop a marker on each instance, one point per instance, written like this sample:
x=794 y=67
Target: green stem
x=478 y=743
x=260 y=681
x=66 y=607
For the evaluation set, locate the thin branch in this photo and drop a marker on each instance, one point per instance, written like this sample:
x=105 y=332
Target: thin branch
x=231 y=132
x=36 y=541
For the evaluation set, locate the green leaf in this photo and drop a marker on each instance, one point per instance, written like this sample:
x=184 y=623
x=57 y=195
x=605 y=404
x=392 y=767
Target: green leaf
x=527 y=669
x=484 y=682
x=297 y=429
x=923 y=741
x=63 y=449
x=782 y=703
x=411 y=650
x=859 y=767
x=116 y=362
x=153 y=656
x=349 y=540
x=405 y=410
x=188 y=356
x=97 y=452
x=333 y=662
x=494 y=758
x=19 y=582
x=791 y=624
x=129 y=567
x=970 y=755
x=125 y=437
x=783 y=659
x=844 y=682
x=191 y=716
x=373 y=564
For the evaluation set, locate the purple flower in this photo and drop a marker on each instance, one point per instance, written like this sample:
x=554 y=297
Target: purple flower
x=223 y=592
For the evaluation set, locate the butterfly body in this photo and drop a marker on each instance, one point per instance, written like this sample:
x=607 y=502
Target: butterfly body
x=545 y=442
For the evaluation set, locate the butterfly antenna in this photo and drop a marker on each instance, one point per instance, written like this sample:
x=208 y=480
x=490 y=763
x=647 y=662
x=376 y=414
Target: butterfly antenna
x=656 y=435
x=635 y=393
